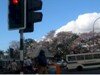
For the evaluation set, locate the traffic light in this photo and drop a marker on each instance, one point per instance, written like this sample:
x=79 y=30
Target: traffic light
x=31 y=15
x=16 y=14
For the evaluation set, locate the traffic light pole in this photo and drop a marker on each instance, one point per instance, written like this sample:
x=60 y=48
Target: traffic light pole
x=21 y=49
x=21 y=45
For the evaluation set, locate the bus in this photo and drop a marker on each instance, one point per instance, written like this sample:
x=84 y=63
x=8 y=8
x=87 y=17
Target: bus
x=83 y=60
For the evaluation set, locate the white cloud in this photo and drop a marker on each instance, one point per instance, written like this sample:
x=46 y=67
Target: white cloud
x=84 y=23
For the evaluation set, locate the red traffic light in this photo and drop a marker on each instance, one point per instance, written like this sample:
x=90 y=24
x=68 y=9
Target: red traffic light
x=15 y=2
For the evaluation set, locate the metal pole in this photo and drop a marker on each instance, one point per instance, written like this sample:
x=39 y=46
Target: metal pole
x=21 y=50
x=21 y=45
x=22 y=39
x=93 y=28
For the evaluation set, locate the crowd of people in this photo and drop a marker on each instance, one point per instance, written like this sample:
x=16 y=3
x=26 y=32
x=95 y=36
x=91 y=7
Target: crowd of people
x=29 y=65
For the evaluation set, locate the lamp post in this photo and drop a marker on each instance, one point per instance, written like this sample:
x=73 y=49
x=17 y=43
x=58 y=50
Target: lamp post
x=93 y=28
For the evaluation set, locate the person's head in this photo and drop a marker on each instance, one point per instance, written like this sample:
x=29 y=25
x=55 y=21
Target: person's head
x=25 y=58
x=14 y=60
x=28 y=57
x=41 y=52
x=9 y=61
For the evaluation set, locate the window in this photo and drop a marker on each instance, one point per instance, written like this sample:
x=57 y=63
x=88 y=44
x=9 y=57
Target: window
x=80 y=57
x=88 y=57
x=71 y=58
x=96 y=56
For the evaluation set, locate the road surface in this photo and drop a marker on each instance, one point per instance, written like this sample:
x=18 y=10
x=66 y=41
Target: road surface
x=85 y=71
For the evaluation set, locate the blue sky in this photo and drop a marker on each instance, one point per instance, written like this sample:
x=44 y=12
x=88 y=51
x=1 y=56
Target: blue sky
x=56 y=13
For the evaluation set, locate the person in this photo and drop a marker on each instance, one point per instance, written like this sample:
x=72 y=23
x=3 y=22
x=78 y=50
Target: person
x=28 y=65
x=42 y=63
x=34 y=65
x=9 y=67
x=14 y=67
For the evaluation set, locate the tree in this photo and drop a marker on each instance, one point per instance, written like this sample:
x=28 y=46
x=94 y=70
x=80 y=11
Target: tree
x=15 y=45
x=14 y=49
x=50 y=35
x=28 y=42
x=30 y=45
x=1 y=54
x=11 y=52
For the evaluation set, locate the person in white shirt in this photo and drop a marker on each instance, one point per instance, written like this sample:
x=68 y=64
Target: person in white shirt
x=14 y=66
x=28 y=64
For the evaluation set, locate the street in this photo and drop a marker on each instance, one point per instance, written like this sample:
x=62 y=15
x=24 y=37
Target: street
x=65 y=71
x=85 y=71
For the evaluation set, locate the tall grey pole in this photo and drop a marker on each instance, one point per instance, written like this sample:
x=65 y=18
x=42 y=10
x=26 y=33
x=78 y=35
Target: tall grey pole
x=93 y=28
x=21 y=45
x=22 y=39
x=21 y=50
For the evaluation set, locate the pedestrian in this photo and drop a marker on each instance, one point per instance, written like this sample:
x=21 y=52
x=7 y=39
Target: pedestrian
x=34 y=66
x=42 y=63
x=9 y=67
x=28 y=65
x=14 y=67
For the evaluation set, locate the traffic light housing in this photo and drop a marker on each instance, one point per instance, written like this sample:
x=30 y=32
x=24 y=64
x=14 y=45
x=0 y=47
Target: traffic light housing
x=16 y=14
x=31 y=15
x=23 y=14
